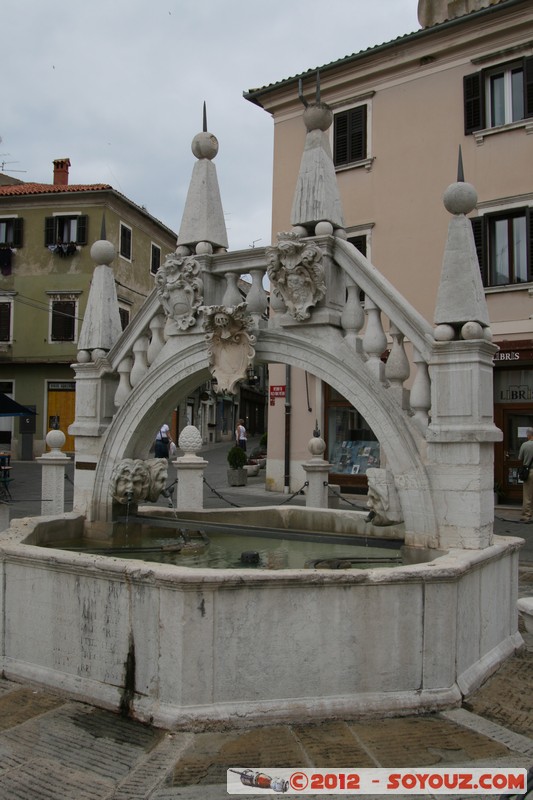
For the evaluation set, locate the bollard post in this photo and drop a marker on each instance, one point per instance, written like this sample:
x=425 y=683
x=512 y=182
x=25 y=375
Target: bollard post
x=53 y=474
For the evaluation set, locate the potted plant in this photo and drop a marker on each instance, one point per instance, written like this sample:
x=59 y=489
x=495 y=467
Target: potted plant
x=237 y=475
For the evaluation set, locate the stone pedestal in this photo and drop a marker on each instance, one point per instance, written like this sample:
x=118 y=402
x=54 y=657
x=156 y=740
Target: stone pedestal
x=190 y=494
x=53 y=475
x=317 y=470
x=190 y=467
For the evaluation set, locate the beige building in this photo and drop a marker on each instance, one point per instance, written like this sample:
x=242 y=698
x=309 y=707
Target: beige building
x=401 y=112
x=46 y=232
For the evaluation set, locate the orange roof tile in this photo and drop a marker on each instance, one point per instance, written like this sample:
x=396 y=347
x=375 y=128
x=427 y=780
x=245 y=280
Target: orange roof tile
x=18 y=189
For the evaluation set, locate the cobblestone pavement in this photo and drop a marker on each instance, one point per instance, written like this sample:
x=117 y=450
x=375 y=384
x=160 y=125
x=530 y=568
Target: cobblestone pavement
x=54 y=748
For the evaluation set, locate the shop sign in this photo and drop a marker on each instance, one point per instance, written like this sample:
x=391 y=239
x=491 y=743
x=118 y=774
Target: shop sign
x=276 y=391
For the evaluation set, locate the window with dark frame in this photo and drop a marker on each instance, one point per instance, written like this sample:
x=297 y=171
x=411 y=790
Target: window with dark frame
x=125 y=241
x=124 y=317
x=504 y=245
x=498 y=95
x=155 y=260
x=11 y=232
x=66 y=229
x=350 y=136
x=5 y=322
x=63 y=325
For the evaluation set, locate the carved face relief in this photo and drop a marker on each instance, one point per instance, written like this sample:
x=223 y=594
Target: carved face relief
x=134 y=480
x=229 y=343
x=296 y=274
x=180 y=290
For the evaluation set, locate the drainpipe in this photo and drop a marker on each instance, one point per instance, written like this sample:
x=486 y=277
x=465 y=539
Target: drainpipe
x=287 y=480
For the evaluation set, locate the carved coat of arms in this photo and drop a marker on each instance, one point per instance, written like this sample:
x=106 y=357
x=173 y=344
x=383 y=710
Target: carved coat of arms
x=296 y=274
x=230 y=344
x=180 y=290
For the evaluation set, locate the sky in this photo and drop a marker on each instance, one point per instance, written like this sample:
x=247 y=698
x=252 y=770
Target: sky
x=118 y=87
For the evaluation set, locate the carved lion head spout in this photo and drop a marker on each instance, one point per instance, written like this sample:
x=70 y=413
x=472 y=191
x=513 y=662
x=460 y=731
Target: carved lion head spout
x=296 y=274
x=230 y=344
x=383 y=500
x=134 y=480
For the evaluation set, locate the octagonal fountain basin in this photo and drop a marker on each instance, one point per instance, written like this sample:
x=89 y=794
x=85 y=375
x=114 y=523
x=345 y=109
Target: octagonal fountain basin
x=185 y=647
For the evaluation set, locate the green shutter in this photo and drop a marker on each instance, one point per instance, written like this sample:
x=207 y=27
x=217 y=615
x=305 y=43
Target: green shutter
x=357 y=128
x=49 y=231
x=17 y=232
x=5 y=322
x=340 y=139
x=81 y=227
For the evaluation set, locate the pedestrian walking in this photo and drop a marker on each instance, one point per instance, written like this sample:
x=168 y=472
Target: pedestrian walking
x=162 y=442
x=525 y=455
x=240 y=434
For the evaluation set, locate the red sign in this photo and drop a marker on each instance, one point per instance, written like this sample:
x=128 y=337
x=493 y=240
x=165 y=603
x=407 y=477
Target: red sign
x=277 y=391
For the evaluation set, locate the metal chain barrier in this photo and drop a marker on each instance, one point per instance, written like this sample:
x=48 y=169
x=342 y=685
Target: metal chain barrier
x=220 y=496
x=335 y=493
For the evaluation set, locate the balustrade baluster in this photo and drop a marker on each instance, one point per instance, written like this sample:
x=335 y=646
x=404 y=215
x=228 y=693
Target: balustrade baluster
x=353 y=316
x=397 y=367
x=420 y=399
x=232 y=296
x=256 y=299
x=124 y=386
x=157 y=341
x=140 y=361
x=374 y=340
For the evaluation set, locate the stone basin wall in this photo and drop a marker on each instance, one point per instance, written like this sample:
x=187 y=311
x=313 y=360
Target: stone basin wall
x=182 y=647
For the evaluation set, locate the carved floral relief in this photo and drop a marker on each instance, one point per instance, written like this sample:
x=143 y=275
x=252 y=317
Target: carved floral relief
x=230 y=344
x=180 y=290
x=296 y=274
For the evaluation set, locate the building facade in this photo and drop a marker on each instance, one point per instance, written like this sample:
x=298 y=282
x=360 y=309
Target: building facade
x=46 y=232
x=402 y=110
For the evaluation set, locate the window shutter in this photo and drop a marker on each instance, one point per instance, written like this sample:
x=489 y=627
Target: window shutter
x=349 y=136
x=359 y=242
x=5 y=322
x=82 y=225
x=528 y=87
x=17 y=232
x=357 y=125
x=478 y=229
x=49 y=231
x=474 y=102
x=529 y=255
x=340 y=139
x=63 y=317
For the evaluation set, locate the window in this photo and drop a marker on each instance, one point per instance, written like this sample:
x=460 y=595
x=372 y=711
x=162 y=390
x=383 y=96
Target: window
x=499 y=95
x=11 y=231
x=350 y=136
x=504 y=244
x=5 y=321
x=63 y=317
x=64 y=229
x=124 y=317
x=125 y=241
x=155 y=261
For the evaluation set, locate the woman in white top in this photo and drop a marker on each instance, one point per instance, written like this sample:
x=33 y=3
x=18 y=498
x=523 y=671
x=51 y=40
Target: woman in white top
x=240 y=434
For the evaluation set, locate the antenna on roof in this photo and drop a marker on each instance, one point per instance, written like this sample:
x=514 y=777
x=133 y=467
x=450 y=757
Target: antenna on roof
x=3 y=164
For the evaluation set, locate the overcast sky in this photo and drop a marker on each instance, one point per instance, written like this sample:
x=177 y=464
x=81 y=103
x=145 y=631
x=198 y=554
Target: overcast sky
x=118 y=86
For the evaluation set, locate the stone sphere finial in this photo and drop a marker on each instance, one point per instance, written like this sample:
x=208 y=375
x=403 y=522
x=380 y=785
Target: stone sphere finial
x=460 y=198
x=205 y=145
x=102 y=252
x=55 y=439
x=318 y=116
x=316 y=445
